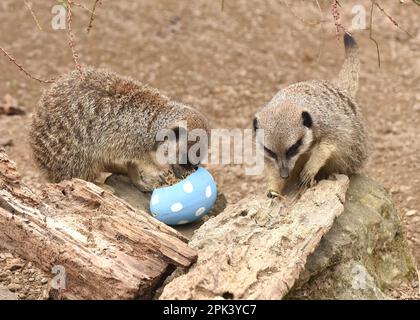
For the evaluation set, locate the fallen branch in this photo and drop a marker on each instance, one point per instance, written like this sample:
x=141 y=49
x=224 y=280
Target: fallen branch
x=106 y=249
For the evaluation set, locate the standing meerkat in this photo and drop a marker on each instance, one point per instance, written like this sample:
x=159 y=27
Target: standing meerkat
x=98 y=121
x=314 y=128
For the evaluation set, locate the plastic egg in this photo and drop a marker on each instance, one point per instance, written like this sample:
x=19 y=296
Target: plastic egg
x=185 y=201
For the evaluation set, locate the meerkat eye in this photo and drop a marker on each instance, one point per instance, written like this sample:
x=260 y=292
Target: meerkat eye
x=270 y=153
x=293 y=150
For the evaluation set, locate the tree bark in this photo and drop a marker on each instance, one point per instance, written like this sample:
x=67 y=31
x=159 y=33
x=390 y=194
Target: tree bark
x=107 y=249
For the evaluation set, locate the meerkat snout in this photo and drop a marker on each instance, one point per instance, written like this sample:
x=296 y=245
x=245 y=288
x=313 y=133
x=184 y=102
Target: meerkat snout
x=284 y=141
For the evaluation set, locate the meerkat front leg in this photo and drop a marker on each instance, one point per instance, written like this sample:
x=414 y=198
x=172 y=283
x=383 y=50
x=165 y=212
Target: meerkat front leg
x=275 y=181
x=318 y=158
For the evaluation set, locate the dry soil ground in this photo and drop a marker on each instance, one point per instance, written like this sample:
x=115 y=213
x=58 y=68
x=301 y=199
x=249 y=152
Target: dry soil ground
x=228 y=64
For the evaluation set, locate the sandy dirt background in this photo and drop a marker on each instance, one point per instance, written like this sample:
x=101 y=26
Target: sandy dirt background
x=228 y=64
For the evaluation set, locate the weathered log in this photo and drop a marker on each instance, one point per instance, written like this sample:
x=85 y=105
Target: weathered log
x=108 y=249
x=257 y=248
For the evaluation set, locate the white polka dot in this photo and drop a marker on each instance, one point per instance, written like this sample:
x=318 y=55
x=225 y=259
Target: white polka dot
x=183 y=222
x=155 y=199
x=200 y=211
x=188 y=187
x=208 y=192
x=176 y=207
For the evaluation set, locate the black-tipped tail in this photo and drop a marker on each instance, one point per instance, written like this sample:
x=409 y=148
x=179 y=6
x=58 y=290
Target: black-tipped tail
x=348 y=79
x=349 y=42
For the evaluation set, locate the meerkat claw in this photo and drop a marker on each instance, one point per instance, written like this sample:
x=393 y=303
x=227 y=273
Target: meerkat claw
x=273 y=194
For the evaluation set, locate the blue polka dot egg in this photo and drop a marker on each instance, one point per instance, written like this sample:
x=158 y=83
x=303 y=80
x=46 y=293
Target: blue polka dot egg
x=186 y=201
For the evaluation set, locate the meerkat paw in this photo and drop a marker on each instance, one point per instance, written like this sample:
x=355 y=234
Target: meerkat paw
x=142 y=185
x=307 y=179
x=181 y=172
x=147 y=183
x=145 y=178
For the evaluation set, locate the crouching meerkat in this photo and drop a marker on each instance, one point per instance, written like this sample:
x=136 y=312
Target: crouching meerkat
x=314 y=128
x=98 y=121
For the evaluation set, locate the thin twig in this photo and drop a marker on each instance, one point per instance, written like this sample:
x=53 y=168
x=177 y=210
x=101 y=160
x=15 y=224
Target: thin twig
x=371 y=34
x=80 y=6
x=321 y=45
x=337 y=18
x=13 y=60
x=29 y=6
x=222 y=5
x=395 y=23
x=307 y=22
x=70 y=34
x=92 y=15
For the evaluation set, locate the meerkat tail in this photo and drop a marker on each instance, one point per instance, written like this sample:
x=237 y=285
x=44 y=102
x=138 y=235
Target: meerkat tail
x=348 y=78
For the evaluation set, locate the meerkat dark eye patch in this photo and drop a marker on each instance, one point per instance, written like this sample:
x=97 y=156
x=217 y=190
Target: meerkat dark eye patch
x=270 y=153
x=307 y=119
x=293 y=150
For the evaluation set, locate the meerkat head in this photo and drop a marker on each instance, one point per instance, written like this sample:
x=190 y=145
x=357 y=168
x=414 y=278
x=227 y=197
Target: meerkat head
x=288 y=133
x=188 y=132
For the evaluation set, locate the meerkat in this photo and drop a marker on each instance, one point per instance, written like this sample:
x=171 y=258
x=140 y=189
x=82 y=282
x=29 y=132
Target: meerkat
x=98 y=121
x=313 y=129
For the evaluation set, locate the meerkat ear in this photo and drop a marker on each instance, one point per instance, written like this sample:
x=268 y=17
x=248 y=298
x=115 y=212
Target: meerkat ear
x=255 y=124
x=173 y=133
x=307 y=119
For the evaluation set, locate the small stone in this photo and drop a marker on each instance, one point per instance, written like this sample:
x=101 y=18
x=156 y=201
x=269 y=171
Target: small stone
x=6 y=142
x=22 y=295
x=416 y=219
x=411 y=213
x=44 y=281
x=395 y=190
x=13 y=287
x=10 y=107
x=14 y=264
x=416 y=107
